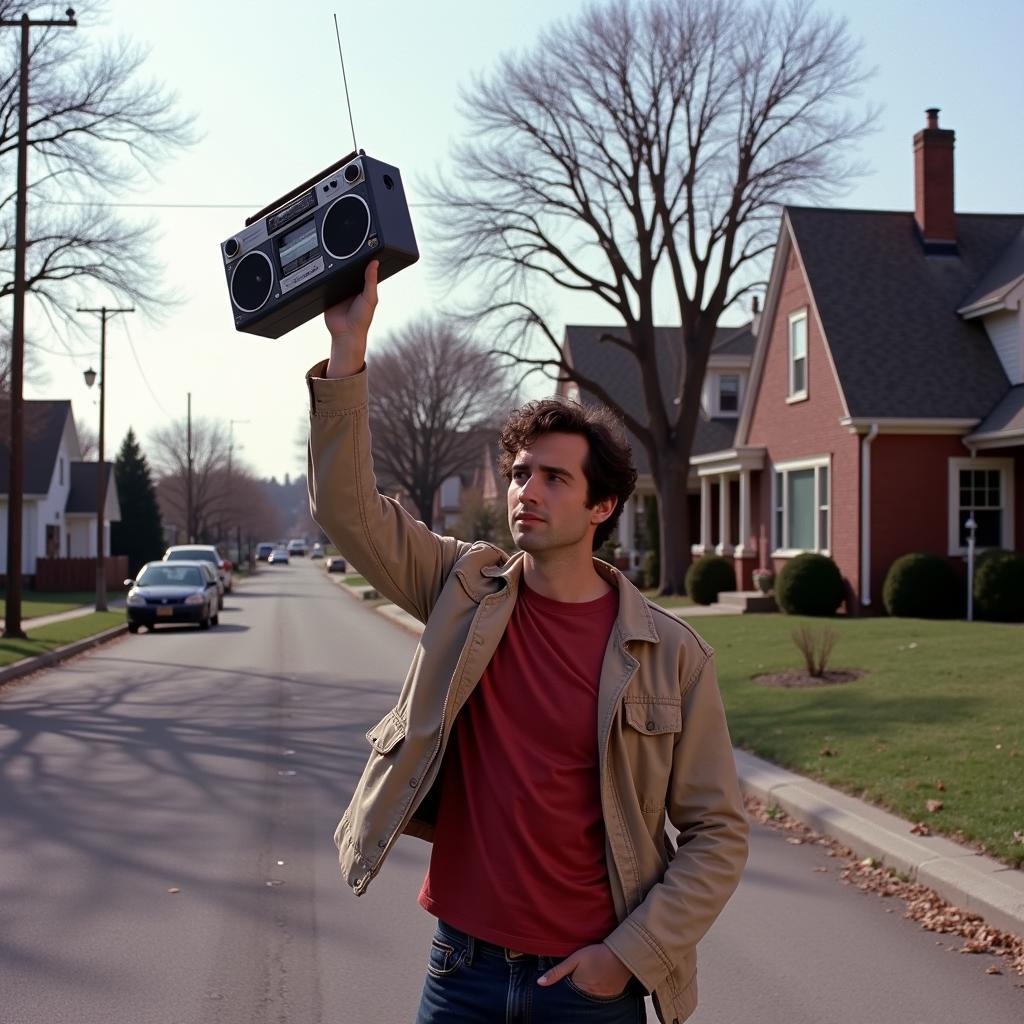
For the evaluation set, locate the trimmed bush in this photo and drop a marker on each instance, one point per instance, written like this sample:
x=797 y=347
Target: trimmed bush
x=999 y=586
x=922 y=586
x=708 y=577
x=809 y=584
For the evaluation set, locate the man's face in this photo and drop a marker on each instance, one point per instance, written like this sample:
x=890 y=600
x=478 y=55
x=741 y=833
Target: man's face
x=547 y=496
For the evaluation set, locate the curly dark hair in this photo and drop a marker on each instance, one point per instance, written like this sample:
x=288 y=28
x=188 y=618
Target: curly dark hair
x=608 y=466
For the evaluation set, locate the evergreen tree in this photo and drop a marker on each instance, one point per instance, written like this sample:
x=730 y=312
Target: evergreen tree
x=140 y=534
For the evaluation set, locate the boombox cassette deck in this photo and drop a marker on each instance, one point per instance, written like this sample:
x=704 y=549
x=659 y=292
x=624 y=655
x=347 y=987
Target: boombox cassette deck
x=309 y=249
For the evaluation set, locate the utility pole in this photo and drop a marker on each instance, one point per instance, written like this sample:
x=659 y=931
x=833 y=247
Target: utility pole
x=188 y=480
x=105 y=314
x=16 y=483
x=231 y=449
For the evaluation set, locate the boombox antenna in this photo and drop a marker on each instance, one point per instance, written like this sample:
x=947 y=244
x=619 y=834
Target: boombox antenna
x=344 y=79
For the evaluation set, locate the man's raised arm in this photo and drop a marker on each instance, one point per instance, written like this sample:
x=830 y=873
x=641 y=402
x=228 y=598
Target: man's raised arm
x=403 y=559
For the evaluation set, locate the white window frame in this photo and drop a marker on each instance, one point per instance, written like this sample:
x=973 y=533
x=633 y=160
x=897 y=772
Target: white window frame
x=780 y=547
x=719 y=411
x=1005 y=467
x=795 y=318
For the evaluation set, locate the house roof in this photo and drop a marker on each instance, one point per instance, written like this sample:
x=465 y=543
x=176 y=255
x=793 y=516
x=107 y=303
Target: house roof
x=1005 y=273
x=1007 y=418
x=82 y=495
x=617 y=371
x=44 y=426
x=889 y=311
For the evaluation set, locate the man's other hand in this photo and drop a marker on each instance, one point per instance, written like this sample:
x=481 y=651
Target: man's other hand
x=349 y=323
x=594 y=969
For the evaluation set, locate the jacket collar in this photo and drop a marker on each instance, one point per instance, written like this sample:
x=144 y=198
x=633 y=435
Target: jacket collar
x=635 y=619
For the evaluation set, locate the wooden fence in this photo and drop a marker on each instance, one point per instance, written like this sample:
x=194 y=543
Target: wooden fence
x=74 y=574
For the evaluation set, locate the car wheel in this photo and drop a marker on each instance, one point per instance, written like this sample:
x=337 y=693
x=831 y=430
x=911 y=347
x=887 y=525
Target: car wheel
x=133 y=627
x=220 y=602
x=204 y=622
x=215 y=621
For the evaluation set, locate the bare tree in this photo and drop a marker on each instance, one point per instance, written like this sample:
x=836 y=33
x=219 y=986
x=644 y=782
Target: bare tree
x=645 y=142
x=88 y=441
x=431 y=388
x=211 y=492
x=95 y=128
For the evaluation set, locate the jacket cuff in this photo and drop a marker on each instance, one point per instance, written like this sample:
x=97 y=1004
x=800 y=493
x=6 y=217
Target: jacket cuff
x=332 y=396
x=641 y=954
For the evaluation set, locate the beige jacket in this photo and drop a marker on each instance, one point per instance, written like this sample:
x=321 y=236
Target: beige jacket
x=663 y=741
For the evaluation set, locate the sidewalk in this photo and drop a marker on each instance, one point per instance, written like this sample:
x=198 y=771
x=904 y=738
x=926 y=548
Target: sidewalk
x=968 y=880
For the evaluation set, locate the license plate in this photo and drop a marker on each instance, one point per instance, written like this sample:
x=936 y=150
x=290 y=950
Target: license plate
x=165 y=611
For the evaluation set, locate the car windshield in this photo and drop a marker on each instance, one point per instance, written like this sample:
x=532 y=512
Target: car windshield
x=191 y=555
x=171 y=576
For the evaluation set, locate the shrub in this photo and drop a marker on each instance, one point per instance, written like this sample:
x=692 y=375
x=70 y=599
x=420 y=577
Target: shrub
x=708 y=577
x=650 y=569
x=921 y=586
x=809 y=584
x=999 y=586
x=816 y=651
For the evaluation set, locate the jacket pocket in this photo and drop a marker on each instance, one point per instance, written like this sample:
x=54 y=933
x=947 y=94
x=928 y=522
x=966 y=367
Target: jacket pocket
x=387 y=733
x=655 y=718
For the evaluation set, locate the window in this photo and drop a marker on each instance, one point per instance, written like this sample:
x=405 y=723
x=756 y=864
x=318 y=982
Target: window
x=802 y=509
x=798 y=355
x=981 y=489
x=728 y=394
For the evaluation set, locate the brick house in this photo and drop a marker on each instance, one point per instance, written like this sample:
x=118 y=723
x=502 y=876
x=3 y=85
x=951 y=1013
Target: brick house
x=884 y=404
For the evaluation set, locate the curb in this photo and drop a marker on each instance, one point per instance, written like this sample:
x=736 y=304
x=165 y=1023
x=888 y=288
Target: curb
x=26 y=666
x=969 y=880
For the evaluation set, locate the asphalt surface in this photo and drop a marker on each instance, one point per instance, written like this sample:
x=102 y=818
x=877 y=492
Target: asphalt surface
x=217 y=764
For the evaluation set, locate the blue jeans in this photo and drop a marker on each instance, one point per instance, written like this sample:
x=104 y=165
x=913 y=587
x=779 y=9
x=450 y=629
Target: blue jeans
x=474 y=982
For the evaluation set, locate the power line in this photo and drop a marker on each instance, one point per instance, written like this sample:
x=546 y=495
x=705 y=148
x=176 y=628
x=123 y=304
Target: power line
x=142 y=373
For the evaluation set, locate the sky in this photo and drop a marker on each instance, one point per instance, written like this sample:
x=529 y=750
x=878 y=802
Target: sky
x=262 y=81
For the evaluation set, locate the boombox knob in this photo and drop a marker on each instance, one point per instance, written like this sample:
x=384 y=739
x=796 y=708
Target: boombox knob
x=351 y=173
x=231 y=248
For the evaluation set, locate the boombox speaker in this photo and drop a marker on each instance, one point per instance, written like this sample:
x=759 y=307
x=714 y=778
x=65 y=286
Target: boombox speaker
x=309 y=249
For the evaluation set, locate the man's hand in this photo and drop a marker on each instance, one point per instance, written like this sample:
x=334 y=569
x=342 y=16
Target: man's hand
x=595 y=969
x=349 y=323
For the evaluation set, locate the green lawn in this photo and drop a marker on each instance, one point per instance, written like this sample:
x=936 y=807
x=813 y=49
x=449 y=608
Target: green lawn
x=939 y=715
x=33 y=605
x=667 y=602
x=356 y=581
x=57 y=634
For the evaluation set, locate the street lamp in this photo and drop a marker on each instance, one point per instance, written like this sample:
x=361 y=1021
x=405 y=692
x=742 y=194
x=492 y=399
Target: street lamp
x=90 y=377
x=971 y=526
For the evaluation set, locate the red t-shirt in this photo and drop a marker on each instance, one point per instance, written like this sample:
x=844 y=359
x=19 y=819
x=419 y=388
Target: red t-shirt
x=519 y=850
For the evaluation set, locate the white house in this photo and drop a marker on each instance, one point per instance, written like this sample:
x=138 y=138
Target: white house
x=59 y=492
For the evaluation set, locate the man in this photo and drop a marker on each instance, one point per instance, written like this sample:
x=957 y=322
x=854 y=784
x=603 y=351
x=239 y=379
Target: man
x=551 y=718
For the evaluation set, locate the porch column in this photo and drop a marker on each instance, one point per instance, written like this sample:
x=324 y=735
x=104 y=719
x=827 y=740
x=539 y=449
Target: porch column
x=724 y=540
x=705 y=517
x=742 y=548
x=625 y=527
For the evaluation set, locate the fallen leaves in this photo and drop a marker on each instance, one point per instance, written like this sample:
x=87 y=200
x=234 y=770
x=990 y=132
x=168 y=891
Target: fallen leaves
x=828 y=752
x=920 y=829
x=174 y=890
x=933 y=806
x=921 y=903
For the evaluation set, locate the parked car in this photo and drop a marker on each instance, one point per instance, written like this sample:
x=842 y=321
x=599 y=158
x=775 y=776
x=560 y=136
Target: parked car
x=279 y=556
x=263 y=551
x=335 y=563
x=318 y=551
x=173 y=592
x=297 y=547
x=202 y=553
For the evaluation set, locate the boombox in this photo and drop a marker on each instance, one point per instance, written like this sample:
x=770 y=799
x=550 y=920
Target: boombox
x=309 y=249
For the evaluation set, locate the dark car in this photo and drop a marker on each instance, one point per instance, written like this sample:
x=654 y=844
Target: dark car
x=167 y=592
x=203 y=553
x=263 y=550
x=335 y=563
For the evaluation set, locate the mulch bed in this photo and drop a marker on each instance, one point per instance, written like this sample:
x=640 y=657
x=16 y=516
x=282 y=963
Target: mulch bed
x=802 y=679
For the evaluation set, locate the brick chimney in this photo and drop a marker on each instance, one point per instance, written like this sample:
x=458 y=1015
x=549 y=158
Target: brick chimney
x=933 y=184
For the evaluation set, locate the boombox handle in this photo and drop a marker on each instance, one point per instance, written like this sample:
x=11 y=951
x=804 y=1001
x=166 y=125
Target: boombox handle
x=299 y=189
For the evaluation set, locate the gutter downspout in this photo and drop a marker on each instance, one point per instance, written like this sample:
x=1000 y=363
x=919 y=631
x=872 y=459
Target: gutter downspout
x=865 y=515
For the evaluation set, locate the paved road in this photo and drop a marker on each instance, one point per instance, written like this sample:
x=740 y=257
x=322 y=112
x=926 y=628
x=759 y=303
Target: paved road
x=166 y=761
